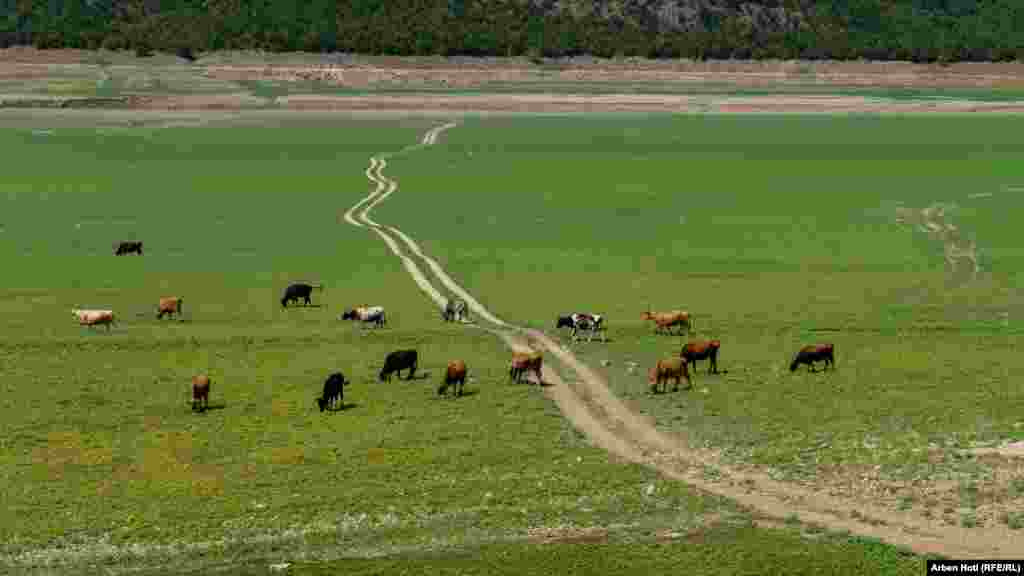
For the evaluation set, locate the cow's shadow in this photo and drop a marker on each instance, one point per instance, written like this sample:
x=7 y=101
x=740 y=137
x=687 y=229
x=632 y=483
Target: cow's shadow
x=451 y=395
x=569 y=341
x=342 y=407
x=418 y=376
x=209 y=408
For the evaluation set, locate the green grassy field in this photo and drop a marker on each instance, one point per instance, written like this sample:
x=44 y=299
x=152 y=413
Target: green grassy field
x=774 y=232
x=107 y=470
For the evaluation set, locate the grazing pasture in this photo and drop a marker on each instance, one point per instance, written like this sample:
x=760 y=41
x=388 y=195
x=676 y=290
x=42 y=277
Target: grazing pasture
x=105 y=465
x=773 y=232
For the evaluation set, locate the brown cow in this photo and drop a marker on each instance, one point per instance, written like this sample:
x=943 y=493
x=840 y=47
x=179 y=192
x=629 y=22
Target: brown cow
x=523 y=362
x=702 y=350
x=200 y=392
x=456 y=374
x=666 y=369
x=170 y=305
x=664 y=321
x=814 y=353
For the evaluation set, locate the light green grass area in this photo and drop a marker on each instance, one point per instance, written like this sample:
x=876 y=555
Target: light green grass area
x=773 y=232
x=105 y=467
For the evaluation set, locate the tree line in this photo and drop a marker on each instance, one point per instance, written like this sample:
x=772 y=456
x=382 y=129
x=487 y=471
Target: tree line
x=917 y=30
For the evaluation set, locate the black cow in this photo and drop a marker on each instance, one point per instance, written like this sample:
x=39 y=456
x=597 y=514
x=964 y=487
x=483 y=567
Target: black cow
x=333 y=391
x=398 y=361
x=128 y=248
x=814 y=353
x=296 y=291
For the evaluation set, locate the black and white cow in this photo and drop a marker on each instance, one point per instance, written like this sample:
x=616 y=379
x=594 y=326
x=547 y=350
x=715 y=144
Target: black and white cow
x=592 y=323
x=454 y=310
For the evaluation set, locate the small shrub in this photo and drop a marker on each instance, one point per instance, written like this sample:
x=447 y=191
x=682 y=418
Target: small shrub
x=968 y=520
x=1017 y=487
x=1015 y=520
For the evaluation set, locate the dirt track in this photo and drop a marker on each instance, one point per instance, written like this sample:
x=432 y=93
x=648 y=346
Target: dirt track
x=588 y=403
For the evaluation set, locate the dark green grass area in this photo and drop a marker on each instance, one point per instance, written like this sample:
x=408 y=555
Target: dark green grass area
x=105 y=467
x=773 y=232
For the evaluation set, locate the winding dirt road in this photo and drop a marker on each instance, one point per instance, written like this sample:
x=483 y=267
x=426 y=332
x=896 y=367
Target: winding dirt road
x=589 y=404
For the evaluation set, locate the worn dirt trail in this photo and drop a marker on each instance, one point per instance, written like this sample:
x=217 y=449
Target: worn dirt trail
x=592 y=408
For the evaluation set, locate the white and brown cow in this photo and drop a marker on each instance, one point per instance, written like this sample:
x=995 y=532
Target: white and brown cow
x=94 y=317
x=369 y=314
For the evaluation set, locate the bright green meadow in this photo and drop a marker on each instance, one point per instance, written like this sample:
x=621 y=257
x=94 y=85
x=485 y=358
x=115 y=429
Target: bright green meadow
x=774 y=232
x=766 y=228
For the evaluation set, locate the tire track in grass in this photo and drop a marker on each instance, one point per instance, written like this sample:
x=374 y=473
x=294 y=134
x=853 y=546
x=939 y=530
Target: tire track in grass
x=609 y=424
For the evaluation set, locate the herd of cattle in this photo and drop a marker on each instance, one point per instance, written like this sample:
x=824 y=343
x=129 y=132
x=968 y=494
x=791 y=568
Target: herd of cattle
x=522 y=363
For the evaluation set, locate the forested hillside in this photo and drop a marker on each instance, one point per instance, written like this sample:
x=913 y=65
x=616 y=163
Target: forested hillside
x=919 y=30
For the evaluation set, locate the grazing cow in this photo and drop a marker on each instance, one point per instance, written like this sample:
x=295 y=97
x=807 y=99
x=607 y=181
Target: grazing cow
x=702 y=350
x=592 y=323
x=523 y=362
x=398 y=361
x=454 y=311
x=668 y=369
x=296 y=291
x=333 y=391
x=368 y=314
x=94 y=317
x=127 y=248
x=170 y=306
x=456 y=374
x=814 y=353
x=200 y=392
x=664 y=321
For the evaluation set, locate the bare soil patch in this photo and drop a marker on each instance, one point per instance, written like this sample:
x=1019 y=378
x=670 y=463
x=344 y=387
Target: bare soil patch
x=512 y=84
x=359 y=70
